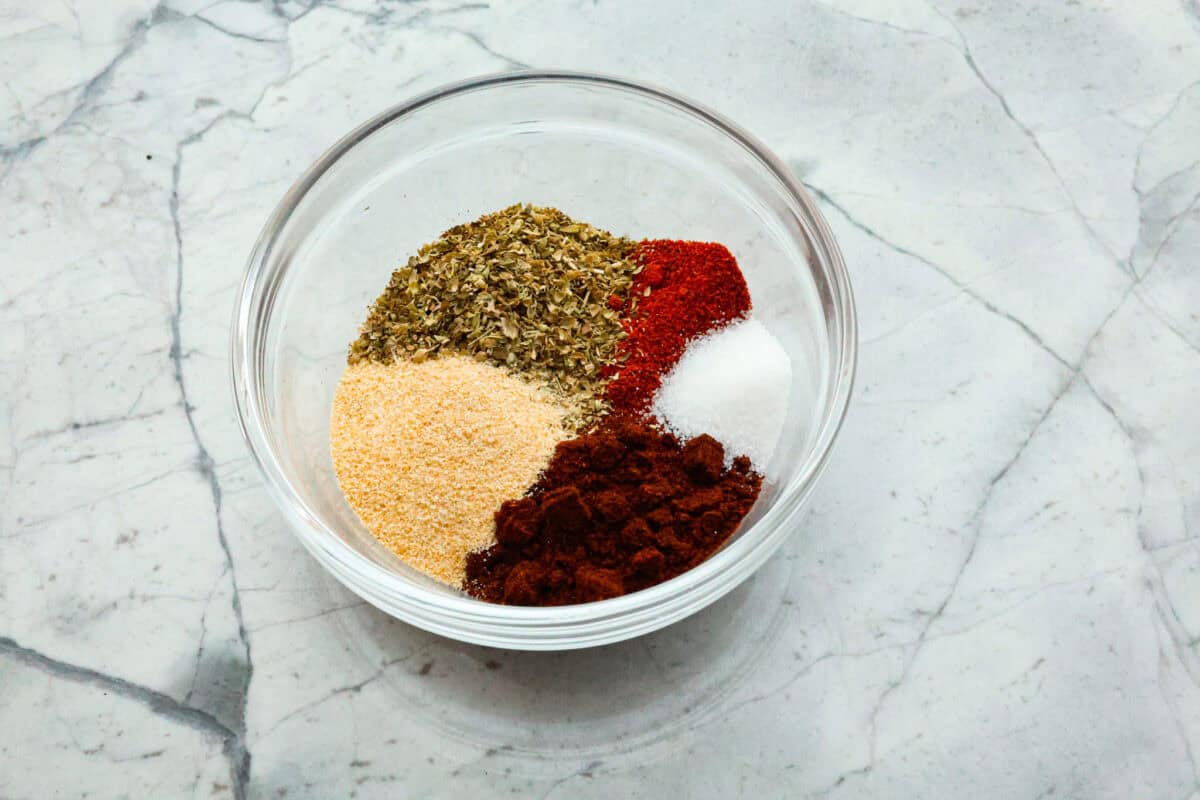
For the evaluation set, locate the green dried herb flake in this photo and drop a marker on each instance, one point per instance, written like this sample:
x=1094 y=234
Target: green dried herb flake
x=513 y=288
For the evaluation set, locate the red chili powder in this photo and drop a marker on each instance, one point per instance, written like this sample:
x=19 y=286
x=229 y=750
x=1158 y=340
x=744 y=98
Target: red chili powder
x=685 y=290
x=618 y=509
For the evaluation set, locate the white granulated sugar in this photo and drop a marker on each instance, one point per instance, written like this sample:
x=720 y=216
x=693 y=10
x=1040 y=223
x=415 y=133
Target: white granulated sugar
x=733 y=384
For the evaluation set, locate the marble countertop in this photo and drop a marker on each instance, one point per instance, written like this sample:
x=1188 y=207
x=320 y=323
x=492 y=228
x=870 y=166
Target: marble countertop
x=996 y=593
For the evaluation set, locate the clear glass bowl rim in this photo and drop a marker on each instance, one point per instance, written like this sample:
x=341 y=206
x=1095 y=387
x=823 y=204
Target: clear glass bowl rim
x=523 y=627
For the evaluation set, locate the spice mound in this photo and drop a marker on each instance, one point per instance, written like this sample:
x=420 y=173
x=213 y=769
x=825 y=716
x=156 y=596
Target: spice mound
x=526 y=288
x=684 y=290
x=733 y=384
x=540 y=412
x=425 y=452
x=617 y=510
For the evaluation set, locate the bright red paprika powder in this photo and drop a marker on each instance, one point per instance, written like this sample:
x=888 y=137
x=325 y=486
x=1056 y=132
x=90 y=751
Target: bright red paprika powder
x=694 y=288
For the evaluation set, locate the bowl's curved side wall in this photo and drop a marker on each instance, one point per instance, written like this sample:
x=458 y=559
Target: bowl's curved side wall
x=604 y=151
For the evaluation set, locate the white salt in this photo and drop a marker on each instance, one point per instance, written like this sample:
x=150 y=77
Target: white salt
x=734 y=385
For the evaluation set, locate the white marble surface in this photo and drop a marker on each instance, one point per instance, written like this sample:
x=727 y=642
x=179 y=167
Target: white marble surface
x=996 y=594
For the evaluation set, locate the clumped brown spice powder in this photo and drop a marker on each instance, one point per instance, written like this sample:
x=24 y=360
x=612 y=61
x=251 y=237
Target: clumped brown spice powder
x=426 y=452
x=527 y=288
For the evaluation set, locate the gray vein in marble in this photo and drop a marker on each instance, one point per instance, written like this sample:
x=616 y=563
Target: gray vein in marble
x=832 y=8
x=1173 y=625
x=95 y=86
x=90 y=90
x=1191 y=10
x=963 y=287
x=76 y=425
x=1167 y=613
x=806 y=670
x=249 y=38
x=1029 y=134
x=1168 y=616
x=307 y=617
x=1148 y=131
x=205 y=465
x=964 y=49
x=1169 y=230
x=1183 y=647
x=1180 y=728
x=974 y=524
x=192 y=687
x=30 y=524
x=1142 y=193
x=353 y=688
x=157 y=702
x=1171 y=326
x=976 y=518
x=585 y=772
x=999 y=612
x=1034 y=212
x=482 y=45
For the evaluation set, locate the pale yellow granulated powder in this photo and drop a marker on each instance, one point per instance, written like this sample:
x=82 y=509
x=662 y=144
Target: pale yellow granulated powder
x=426 y=453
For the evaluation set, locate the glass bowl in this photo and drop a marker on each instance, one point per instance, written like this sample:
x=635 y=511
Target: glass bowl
x=635 y=160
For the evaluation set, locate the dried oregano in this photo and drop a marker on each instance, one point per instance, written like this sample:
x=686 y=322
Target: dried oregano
x=526 y=288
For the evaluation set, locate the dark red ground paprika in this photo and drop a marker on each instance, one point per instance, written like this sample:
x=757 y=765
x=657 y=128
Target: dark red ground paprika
x=617 y=510
x=684 y=290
